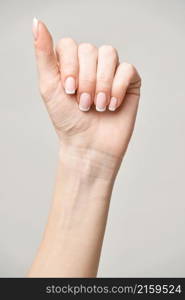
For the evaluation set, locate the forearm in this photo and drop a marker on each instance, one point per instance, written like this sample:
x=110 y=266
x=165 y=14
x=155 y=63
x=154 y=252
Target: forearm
x=73 y=237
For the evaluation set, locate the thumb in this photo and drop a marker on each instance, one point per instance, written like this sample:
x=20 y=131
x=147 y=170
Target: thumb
x=45 y=56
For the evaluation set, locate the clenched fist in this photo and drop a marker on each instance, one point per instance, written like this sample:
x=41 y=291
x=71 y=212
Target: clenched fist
x=92 y=101
x=91 y=97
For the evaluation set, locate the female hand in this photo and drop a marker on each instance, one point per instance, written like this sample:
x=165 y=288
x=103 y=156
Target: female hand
x=91 y=98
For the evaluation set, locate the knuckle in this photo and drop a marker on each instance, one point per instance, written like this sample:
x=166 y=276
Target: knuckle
x=108 y=50
x=132 y=71
x=129 y=67
x=86 y=47
x=132 y=68
x=65 y=42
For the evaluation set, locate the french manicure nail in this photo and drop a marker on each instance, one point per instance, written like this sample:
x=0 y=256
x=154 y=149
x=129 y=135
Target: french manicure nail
x=113 y=104
x=101 y=102
x=85 y=102
x=35 y=28
x=70 y=85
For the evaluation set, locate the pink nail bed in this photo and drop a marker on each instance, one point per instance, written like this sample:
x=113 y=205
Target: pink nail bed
x=101 y=102
x=113 y=104
x=70 y=85
x=85 y=102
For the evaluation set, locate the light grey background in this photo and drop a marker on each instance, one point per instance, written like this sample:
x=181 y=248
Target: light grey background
x=146 y=227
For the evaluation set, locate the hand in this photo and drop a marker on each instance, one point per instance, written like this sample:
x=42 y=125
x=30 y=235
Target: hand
x=91 y=98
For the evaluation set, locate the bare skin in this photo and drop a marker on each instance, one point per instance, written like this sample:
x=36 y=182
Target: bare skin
x=92 y=101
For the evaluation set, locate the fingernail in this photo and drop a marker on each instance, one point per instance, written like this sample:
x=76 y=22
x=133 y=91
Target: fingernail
x=101 y=102
x=70 y=85
x=113 y=104
x=85 y=102
x=35 y=28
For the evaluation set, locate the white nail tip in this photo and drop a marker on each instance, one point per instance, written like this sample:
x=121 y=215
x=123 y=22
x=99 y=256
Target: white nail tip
x=35 y=28
x=84 y=109
x=70 y=92
x=112 y=108
x=35 y=22
x=100 y=109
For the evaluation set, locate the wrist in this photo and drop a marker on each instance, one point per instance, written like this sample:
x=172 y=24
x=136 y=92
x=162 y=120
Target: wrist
x=89 y=163
x=84 y=180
